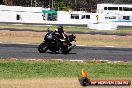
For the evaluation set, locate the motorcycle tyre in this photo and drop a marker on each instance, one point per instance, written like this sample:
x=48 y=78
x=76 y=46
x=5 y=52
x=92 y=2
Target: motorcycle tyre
x=66 y=51
x=42 y=48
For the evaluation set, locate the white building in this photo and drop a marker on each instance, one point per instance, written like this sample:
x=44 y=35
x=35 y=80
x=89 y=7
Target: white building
x=18 y=14
x=107 y=17
x=119 y=13
x=75 y=17
x=110 y=16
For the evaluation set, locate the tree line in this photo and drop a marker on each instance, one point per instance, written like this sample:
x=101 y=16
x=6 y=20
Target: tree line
x=88 y=5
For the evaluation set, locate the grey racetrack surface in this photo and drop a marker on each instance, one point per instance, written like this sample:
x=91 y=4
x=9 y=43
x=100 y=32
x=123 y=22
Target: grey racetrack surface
x=23 y=51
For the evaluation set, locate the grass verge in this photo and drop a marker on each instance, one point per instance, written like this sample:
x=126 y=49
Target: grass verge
x=21 y=69
x=68 y=29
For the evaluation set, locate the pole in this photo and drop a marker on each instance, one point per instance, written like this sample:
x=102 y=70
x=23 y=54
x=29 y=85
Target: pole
x=35 y=3
x=31 y=2
x=52 y=3
x=75 y=4
x=49 y=3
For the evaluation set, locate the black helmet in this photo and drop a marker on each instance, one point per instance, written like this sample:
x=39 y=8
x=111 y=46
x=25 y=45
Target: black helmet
x=60 y=28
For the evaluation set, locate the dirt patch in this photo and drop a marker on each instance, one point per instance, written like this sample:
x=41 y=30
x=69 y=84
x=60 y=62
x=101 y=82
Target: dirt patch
x=49 y=83
x=104 y=40
x=21 y=36
x=31 y=37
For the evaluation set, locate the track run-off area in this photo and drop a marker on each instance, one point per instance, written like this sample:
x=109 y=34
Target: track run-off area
x=25 y=51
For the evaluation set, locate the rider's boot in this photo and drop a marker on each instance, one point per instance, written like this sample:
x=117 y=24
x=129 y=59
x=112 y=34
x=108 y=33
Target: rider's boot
x=72 y=46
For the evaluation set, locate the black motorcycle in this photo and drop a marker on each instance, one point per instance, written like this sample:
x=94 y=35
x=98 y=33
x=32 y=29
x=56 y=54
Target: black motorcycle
x=52 y=42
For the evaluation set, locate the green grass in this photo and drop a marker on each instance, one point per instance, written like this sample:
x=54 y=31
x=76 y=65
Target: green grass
x=45 y=69
x=42 y=27
x=68 y=29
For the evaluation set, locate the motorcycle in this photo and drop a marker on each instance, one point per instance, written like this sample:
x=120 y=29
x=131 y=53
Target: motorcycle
x=52 y=42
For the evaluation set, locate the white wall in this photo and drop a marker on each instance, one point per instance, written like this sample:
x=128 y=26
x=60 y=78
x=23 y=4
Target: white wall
x=9 y=16
x=20 y=8
x=34 y=15
x=27 y=14
x=65 y=17
x=100 y=8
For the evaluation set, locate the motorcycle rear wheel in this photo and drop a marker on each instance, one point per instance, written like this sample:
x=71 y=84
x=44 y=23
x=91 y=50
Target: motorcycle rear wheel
x=65 y=51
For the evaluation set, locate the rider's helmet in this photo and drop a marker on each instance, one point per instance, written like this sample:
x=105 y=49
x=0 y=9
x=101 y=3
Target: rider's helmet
x=60 y=29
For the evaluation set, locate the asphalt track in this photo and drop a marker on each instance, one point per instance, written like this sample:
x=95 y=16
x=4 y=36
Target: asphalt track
x=23 y=51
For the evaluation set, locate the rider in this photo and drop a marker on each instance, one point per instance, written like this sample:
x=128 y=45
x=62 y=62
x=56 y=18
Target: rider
x=62 y=35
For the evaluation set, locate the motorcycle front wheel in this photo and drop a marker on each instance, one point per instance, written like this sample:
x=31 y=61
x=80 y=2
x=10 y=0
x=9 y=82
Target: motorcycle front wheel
x=42 y=48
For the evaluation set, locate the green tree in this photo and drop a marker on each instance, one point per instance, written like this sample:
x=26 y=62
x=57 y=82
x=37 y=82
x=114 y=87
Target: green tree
x=119 y=1
x=61 y=5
